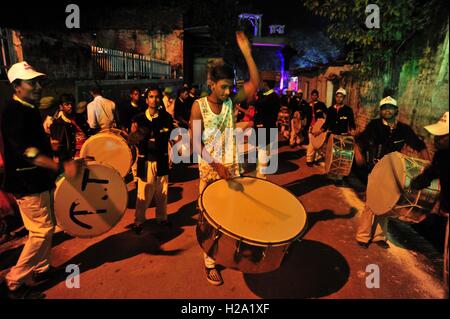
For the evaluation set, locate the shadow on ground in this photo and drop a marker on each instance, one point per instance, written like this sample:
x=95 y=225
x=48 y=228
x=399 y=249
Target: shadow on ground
x=175 y=194
x=308 y=184
x=310 y=270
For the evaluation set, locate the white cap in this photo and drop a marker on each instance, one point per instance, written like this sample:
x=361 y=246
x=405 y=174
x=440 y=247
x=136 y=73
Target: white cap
x=440 y=128
x=342 y=91
x=388 y=100
x=22 y=71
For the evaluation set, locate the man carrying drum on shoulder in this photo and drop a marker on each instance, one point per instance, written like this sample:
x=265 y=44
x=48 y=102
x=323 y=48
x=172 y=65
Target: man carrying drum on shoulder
x=382 y=136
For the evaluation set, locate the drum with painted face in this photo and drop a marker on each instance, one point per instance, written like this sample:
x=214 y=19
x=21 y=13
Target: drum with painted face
x=241 y=226
x=92 y=203
x=110 y=147
x=339 y=155
x=388 y=188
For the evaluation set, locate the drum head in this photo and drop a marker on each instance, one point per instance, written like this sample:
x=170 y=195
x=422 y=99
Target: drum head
x=317 y=141
x=254 y=209
x=386 y=183
x=91 y=204
x=109 y=148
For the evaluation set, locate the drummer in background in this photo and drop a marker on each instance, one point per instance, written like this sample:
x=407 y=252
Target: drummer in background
x=129 y=109
x=150 y=131
x=214 y=114
x=301 y=107
x=386 y=135
x=101 y=112
x=66 y=136
x=29 y=174
x=316 y=110
x=438 y=169
x=340 y=121
x=182 y=109
x=383 y=136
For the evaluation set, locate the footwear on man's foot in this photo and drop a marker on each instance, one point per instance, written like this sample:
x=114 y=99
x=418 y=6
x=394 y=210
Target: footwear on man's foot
x=40 y=278
x=382 y=243
x=213 y=276
x=25 y=292
x=363 y=244
x=137 y=229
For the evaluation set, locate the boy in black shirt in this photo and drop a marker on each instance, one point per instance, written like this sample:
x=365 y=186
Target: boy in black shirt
x=150 y=131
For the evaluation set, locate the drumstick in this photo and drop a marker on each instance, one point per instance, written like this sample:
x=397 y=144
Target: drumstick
x=240 y=188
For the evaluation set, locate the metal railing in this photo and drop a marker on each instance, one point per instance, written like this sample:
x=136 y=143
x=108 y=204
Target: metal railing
x=115 y=64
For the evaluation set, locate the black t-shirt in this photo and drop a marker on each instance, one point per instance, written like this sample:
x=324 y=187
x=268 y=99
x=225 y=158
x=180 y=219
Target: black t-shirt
x=267 y=110
x=21 y=128
x=379 y=139
x=182 y=111
x=127 y=112
x=438 y=169
x=154 y=145
x=319 y=109
x=339 y=122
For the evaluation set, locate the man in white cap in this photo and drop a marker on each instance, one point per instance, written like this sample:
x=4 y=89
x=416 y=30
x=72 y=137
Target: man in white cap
x=340 y=120
x=29 y=174
x=439 y=169
x=383 y=136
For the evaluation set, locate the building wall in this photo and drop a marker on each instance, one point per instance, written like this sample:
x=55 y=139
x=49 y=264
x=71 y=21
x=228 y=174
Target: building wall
x=418 y=81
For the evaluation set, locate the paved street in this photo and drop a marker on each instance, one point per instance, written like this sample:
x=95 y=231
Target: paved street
x=163 y=263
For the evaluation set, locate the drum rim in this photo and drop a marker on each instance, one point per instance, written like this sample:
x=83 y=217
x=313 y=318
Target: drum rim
x=120 y=138
x=60 y=181
x=246 y=240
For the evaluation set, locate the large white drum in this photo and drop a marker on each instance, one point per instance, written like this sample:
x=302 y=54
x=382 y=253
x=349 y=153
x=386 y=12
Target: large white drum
x=248 y=223
x=110 y=147
x=92 y=203
x=388 y=188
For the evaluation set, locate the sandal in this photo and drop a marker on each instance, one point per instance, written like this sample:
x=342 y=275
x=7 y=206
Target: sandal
x=213 y=276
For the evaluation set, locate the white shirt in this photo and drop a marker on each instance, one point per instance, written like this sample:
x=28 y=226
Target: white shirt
x=100 y=113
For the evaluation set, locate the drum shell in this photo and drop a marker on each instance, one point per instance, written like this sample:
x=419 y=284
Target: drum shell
x=110 y=157
x=339 y=155
x=236 y=253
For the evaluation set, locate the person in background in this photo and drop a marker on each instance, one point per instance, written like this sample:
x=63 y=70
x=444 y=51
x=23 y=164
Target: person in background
x=129 y=109
x=101 y=112
x=168 y=101
x=66 y=136
x=317 y=110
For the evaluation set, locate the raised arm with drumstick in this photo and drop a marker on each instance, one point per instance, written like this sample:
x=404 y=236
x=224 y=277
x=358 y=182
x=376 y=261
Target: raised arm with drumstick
x=211 y=117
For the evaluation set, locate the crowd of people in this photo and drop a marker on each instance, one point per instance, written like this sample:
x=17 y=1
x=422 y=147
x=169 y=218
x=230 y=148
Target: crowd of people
x=38 y=146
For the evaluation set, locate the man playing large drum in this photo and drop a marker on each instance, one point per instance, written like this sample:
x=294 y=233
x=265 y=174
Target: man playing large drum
x=215 y=114
x=438 y=169
x=382 y=136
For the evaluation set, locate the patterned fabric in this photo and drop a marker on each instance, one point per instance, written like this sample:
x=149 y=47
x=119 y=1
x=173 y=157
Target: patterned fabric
x=218 y=139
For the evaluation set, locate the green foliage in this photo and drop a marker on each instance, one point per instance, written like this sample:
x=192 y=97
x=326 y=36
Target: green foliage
x=372 y=49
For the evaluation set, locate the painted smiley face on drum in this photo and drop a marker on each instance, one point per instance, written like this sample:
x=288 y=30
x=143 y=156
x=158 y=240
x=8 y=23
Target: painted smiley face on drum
x=91 y=204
